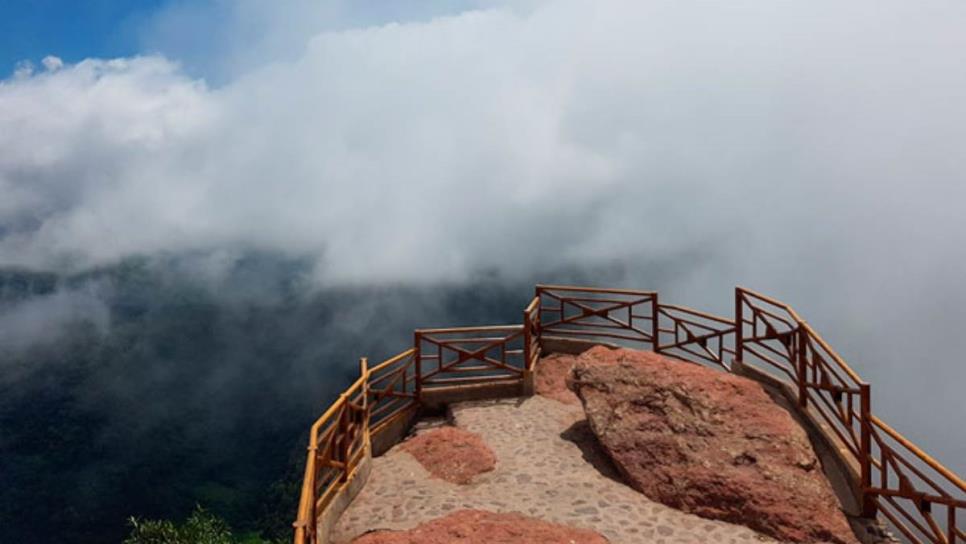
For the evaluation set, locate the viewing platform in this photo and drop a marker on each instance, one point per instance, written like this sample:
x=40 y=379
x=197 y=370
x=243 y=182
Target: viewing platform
x=523 y=457
x=548 y=467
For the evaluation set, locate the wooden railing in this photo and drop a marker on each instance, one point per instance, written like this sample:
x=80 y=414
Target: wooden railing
x=337 y=442
x=391 y=387
x=531 y=333
x=695 y=336
x=469 y=355
x=598 y=314
x=636 y=319
x=917 y=496
x=896 y=478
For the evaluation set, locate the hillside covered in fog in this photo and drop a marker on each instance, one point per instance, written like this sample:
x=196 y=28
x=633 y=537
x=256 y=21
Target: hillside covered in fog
x=152 y=390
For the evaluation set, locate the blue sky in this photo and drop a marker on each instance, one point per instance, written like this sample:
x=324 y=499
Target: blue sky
x=210 y=38
x=70 y=29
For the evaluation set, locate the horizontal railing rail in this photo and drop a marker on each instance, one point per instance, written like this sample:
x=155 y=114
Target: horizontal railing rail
x=915 y=494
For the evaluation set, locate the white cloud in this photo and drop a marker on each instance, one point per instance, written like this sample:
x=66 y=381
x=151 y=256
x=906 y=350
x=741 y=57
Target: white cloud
x=52 y=63
x=23 y=69
x=543 y=136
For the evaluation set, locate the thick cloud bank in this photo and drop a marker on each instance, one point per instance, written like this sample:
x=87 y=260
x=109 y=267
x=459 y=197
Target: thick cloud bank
x=813 y=150
x=506 y=138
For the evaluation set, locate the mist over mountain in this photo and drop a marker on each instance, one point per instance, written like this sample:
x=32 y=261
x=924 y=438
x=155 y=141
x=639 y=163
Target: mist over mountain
x=198 y=242
x=194 y=393
x=147 y=387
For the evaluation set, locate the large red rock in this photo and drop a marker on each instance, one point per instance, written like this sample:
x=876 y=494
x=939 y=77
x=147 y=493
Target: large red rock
x=550 y=378
x=452 y=454
x=480 y=527
x=707 y=442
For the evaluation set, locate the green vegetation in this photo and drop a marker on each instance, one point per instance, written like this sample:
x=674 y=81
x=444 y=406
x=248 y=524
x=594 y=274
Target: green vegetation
x=202 y=527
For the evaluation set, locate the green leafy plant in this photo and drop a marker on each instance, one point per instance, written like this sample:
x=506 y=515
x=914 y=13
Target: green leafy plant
x=201 y=527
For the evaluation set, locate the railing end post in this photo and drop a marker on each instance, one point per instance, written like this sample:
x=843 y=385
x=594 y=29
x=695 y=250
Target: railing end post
x=417 y=357
x=802 y=366
x=865 y=449
x=739 y=326
x=364 y=373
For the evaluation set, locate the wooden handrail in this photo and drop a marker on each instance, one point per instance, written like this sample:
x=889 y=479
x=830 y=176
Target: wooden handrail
x=934 y=464
x=391 y=360
x=835 y=356
x=807 y=352
x=710 y=317
x=792 y=353
x=484 y=328
x=546 y=287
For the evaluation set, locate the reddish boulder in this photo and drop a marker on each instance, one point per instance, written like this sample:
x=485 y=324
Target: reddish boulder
x=550 y=378
x=480 y=527
x=451 y=453
x=707 y=442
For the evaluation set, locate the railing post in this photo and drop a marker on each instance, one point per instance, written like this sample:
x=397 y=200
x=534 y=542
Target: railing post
x=539 y=319
x=801 y=365
x=951 y=524
x=313 y=519
x=739 y=324
x=655 y=324
x=538 y=293
x=305 y=524
x=527 y=333
x=527 y=378
x=345 y=444
x=865 y=449
x=364 y=372
x=418 y=361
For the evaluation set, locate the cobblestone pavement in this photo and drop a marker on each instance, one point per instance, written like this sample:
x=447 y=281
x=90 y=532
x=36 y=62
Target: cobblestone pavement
x=548 y=467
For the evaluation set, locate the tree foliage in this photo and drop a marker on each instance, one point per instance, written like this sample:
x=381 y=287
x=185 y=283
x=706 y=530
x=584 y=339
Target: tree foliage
x=201 y=527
